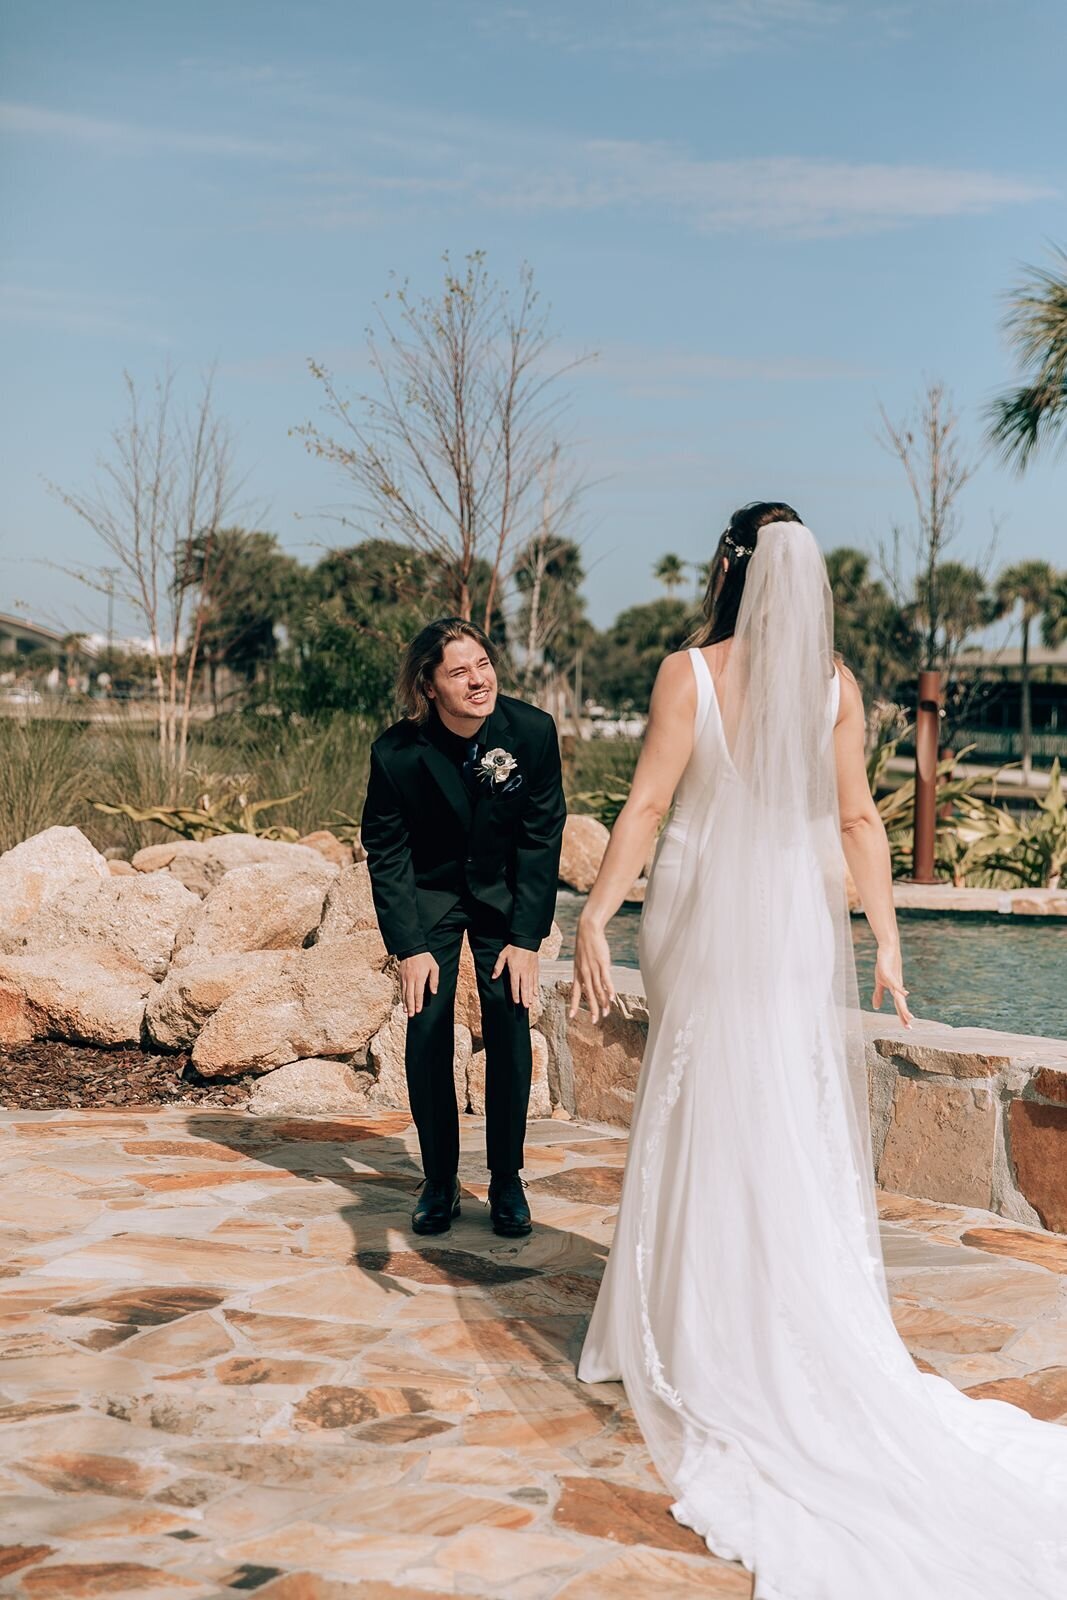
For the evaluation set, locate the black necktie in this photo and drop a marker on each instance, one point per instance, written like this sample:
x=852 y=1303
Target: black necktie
x=469 y=769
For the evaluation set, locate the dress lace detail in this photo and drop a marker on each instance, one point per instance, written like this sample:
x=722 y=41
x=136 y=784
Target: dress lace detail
x=668 y=1097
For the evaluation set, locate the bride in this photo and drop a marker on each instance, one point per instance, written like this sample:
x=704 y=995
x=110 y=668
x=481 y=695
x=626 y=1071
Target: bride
x=744 y=1305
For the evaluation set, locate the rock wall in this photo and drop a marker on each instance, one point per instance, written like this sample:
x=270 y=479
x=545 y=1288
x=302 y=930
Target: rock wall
x=964 y=1115
x=261 y=958
x=972 y=1116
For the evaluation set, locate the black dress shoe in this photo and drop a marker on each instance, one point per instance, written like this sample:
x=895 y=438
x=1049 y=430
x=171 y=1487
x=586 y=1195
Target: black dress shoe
x=436 y=1206
x=507 y=1206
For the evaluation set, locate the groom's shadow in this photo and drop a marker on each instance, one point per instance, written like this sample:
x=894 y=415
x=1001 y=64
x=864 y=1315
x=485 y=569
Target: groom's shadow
x=523 y=1304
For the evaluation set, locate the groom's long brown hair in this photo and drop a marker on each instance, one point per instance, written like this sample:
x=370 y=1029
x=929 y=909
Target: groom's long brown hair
x=422 y=657
x=722 y=598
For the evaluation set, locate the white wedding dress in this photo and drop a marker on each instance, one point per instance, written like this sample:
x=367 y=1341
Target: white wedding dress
x=744 y=1304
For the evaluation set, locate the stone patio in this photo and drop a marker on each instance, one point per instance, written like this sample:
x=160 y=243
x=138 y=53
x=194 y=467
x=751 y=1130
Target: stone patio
x=227 y=1367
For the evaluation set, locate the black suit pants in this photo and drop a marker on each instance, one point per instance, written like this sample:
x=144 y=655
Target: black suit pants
x=430 y=1048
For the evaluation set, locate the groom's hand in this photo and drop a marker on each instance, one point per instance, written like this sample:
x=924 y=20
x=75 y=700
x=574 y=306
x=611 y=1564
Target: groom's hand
x=415 y=973
x=523 y=973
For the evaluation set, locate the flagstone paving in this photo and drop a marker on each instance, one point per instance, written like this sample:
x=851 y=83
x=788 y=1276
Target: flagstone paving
x=227 y=1366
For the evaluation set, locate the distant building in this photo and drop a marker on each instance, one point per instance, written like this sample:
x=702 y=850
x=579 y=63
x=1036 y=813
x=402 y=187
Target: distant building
x=95 y=644
x=989 y=688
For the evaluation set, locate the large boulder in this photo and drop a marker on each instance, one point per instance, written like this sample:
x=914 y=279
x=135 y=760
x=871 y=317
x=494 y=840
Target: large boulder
x=330 y=846
x=349 y=906
x=199 y=864
x=18 y=1019
x=270 y=905
x=190 y=994
x=136 y=918
x=606 y=1060
x=34 y=872
x=155 y=857
x=87 y=997
x=585 y=840
x=386 y=1060
x=310 y=1089
x=328 y=1000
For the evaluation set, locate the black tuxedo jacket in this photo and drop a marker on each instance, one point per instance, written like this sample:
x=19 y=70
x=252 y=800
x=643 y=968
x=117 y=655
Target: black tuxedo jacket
x=430 y=843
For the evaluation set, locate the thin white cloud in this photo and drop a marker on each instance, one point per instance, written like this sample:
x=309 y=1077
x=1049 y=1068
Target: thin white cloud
x=398 y=161
x=683 y=32
x=530 y=174
x=776 y=194
x=239 y=75
x=73 y=312
x=637 y=369
x=45 y=122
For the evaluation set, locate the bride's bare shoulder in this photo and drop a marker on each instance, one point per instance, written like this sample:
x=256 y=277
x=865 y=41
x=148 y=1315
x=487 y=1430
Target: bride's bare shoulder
x=675 y=668
x=675 y=684
x=851 y=700
x=677 y=662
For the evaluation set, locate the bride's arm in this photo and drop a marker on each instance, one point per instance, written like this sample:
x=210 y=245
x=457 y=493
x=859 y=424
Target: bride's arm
x=866 y=846
x=666 y=749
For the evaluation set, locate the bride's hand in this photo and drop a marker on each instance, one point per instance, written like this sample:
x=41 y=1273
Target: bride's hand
x=889 y=974
x=592 y=971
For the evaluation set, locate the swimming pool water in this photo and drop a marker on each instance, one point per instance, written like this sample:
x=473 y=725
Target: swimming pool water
x=978 y=972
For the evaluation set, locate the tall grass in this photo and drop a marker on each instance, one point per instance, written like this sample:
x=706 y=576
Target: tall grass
x=327 y=759
x=598 y=775
x=51 y=771
x=42 y=776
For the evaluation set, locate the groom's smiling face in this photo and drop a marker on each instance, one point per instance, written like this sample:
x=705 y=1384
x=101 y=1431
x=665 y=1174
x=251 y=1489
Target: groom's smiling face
x=463 y=686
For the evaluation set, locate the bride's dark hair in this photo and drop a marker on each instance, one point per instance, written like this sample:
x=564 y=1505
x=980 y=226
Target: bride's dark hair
x=722 y=598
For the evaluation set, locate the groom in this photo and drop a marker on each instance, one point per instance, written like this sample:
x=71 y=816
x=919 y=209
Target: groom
x=462 y=827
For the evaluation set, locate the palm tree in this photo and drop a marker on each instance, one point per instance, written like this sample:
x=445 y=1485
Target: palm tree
x=1037 y=326
x=1054 y=622
x=670 y=570
x=876 y=638
x=1030 y=585
x=964 y=605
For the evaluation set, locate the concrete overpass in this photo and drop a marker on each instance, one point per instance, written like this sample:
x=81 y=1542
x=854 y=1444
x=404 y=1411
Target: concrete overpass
x=18 y=636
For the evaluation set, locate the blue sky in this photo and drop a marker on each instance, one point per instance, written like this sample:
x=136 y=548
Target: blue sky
x=767 y=216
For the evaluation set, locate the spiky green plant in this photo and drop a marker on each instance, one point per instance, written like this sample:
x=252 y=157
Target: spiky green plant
x=1029 y=851
x=230 y=810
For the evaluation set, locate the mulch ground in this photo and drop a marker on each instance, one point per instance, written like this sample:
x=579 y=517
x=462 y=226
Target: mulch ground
x=47 y=1074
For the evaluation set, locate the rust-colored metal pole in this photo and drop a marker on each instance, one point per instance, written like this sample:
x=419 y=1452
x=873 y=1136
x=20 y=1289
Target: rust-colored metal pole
x=927 y=742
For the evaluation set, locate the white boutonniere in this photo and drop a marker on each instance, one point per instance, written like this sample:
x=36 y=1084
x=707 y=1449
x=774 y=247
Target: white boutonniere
x=496 y=766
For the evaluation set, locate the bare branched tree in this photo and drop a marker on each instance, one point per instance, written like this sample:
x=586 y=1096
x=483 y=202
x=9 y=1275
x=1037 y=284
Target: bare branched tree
x=936 y=471
x=164 y=492
x=547 y=574
x=450 y=453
